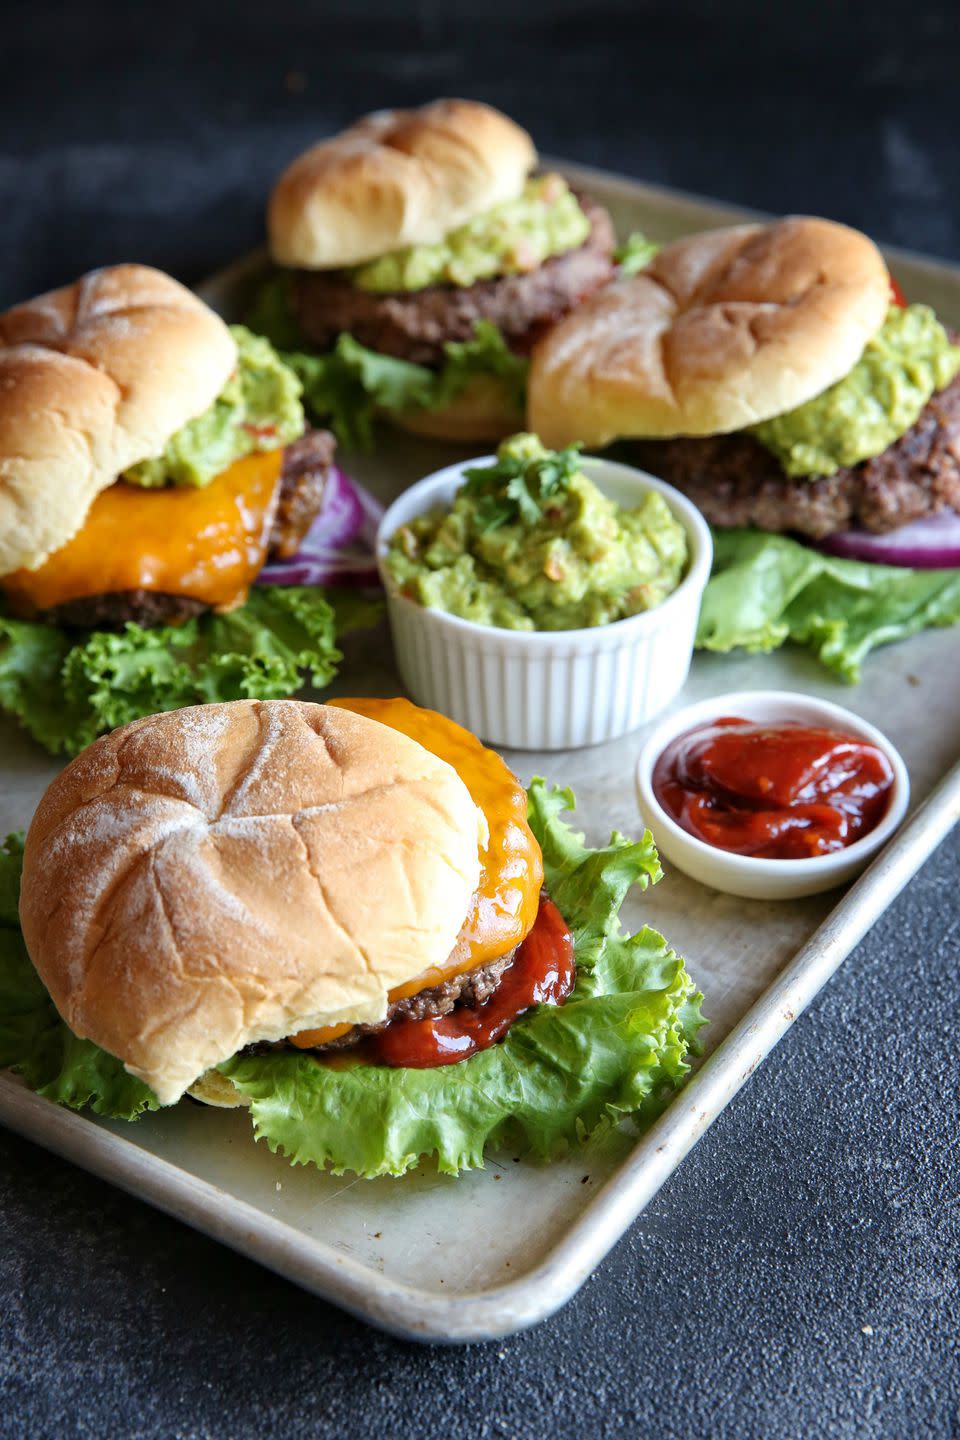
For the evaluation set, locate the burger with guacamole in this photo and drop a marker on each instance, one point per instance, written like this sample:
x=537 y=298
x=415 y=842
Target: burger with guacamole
x=774 y=373
x=418 y=259
x=152 y=461
x=351 y=919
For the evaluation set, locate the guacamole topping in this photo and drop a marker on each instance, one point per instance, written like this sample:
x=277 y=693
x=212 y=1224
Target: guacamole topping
x=532 y=544
x=861 y=415
x=545 y=219
x=258 y=409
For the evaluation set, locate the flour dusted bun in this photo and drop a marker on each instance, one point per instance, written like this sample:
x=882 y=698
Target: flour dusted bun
x=395 y=178
x=204 y=879
x=721 y=330
x=483 y=410
x=93 y=378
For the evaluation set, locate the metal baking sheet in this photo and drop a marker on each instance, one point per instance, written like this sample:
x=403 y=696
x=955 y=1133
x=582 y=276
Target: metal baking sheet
x=391 y=1251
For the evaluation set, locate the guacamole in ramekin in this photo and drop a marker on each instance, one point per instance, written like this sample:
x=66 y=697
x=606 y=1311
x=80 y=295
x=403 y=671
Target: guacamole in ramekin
x=531 y=543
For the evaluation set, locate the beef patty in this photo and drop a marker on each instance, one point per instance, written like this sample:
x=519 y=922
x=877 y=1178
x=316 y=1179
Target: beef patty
x=468 y=990
x=414 y=325
x=303 y=478
x=734 y=480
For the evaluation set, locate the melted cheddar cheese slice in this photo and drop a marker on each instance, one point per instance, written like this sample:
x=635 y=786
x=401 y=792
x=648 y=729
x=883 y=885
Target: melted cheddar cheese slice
x=207 y=544
x=511 y=865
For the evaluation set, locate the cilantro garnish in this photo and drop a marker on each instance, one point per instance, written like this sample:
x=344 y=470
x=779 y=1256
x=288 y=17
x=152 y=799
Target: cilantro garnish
x=520 y=483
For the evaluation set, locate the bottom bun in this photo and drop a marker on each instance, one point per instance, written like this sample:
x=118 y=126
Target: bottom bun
x=485 y=409
x=215 y=1089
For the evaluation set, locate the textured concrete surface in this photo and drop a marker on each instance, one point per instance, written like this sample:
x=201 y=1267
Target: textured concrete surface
x=798 y=1276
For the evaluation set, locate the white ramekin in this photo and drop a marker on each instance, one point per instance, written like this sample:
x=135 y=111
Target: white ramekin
x=547 y=690
x=743 y=874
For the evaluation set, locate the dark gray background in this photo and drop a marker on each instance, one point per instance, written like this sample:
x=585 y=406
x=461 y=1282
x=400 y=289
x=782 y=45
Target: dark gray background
x=798 y=1277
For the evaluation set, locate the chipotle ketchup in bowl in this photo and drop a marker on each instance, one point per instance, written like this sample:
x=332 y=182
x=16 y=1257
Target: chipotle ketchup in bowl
x=770 y=794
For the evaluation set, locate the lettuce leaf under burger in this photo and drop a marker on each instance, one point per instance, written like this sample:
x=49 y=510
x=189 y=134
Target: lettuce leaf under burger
x=767 y=589
x=65 y=688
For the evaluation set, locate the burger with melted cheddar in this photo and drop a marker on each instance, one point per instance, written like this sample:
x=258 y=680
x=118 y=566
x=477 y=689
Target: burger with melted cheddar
x=351 y=918
x=151 y=460
x=419 y=259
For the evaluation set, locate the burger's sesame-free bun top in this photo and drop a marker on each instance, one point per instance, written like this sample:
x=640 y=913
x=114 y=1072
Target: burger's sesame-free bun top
x=721 y=330
x=395 y=178
x=95 y=377
x=212 y=877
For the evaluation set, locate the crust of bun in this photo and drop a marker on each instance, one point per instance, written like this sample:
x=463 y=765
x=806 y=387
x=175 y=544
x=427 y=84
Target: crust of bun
x=209 y=878
x=721 y=330
x=93 y=378
x=395 y=178
x=483 y=410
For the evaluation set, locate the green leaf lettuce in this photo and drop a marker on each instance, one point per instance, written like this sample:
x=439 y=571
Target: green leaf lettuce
x=34 y=1040
x=619 y=1047
x=635 y=253
x=66 y=689
x=766 y=589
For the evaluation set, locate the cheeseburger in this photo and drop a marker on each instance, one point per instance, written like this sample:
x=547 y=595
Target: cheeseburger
x=151 y=459
x=338 y=915
x=771 y=372
x=274 y=873
x=422 y=258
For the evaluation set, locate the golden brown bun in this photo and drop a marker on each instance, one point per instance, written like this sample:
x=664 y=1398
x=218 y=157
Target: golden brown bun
x=721 y=330
x=204 y=879
x=93 y=378
x=395 y=178
x=484 y=410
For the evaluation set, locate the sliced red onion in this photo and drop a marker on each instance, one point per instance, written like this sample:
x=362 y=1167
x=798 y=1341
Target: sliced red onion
x=930 y=544
x=333 y=569
x=339 y=546
x=340 y=516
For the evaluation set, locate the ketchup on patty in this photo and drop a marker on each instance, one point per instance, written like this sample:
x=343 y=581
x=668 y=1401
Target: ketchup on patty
x=776 y=791
x=543 y=973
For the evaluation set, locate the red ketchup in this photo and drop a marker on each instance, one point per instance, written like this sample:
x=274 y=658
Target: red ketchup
x=781 y=791
x=897 y=296
x=542 y=973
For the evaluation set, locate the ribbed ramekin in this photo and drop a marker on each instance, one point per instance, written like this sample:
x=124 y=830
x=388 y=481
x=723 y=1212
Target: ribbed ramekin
x=557 y=689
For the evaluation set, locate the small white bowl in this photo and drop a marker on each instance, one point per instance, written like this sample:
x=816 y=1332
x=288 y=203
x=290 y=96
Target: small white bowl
x=744 y=874
x=556 y=689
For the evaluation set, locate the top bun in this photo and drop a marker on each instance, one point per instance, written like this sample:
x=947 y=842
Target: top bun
x=395 y=178
x=721 y=330
x=208 y=878
x=93 y=378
